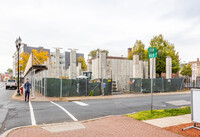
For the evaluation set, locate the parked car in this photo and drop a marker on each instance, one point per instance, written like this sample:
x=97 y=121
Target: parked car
x=11 y=83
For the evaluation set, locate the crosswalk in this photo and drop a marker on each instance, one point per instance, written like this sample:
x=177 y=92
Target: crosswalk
x=80 y=103
x=60 y=106
x=67 y=112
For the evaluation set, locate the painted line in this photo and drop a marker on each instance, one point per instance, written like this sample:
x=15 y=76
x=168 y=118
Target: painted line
x=80 y=103
x=32 y=114
x=65 y=111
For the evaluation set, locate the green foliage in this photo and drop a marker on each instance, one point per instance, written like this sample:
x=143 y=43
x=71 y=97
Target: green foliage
x=83 y=63
x=94 y=53
x=9 y=70
x=145 y=115
x=139 y=49
x=187 y=70
x=91 y=92
x=165 y=49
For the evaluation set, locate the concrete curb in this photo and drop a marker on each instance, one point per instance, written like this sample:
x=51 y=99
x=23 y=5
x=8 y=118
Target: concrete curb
x=5 y=134
x=69 y=99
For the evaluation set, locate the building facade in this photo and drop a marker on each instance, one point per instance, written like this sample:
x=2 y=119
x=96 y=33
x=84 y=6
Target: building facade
x=64 y=59
x=195 y=69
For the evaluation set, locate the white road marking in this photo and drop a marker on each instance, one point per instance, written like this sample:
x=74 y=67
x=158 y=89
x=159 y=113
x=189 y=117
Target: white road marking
x=32 y=114
x=179 y=102
x=65 y=111
x=80 y=103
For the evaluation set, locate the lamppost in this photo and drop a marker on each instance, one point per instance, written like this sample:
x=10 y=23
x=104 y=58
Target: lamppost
x=18 y=44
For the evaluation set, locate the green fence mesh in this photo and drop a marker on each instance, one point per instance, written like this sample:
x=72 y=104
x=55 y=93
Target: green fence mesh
x=159 y=85
x=136 y=85
x=79 y=87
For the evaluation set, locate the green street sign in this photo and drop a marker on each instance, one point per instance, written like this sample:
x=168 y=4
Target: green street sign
x=152 y=52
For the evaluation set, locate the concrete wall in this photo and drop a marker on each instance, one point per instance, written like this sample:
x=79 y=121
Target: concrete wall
x=120 y=70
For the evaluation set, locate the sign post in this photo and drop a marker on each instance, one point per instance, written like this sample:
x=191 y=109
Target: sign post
x=152 y=54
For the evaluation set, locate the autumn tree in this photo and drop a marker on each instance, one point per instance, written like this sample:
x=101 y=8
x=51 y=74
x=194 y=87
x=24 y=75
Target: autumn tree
x=138 y=49
x=165 y=49
x=96 y=52
x=41 y=55
x=187 y=70
x=23 y=60
x=83 y=63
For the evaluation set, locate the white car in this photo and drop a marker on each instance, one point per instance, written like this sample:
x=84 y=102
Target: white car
x=11 y=83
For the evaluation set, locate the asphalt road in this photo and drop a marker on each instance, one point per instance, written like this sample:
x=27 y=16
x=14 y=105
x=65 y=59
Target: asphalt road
x=16 y=113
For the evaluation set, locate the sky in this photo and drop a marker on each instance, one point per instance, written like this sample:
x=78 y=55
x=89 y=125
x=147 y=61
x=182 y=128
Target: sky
x=113 y=25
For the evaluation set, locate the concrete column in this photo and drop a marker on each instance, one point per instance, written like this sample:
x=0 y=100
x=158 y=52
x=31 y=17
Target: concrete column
x=57 y=63
x=102 y=65
x=79 y=69
x=168 y=67
x=135 y=66
x=146 y=69
x=93 y=69
x=89 y=67
x=141 y=72
x=73 y=71
x=151 y=62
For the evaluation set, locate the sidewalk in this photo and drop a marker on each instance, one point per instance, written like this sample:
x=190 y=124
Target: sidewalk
x=170 y=121
x=39 y=97
x=113 y=126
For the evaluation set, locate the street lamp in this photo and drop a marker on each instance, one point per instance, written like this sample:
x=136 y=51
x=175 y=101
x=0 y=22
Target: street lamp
x=18 y=44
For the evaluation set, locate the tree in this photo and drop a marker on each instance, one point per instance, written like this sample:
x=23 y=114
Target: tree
x=41 y=55
x=165 y=49
x=187 y=70
x=94 y=53
x=9 y=70
x=83 y=63
x=23 y=61
x=139 y=49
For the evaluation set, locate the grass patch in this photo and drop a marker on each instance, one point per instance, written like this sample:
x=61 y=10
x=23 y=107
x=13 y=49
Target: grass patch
x=145 y=115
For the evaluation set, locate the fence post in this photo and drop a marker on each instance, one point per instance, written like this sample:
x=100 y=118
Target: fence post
x=86 y=87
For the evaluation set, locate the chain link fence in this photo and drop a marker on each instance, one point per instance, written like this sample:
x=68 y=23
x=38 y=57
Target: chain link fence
x=51 y=87
x=159 y=85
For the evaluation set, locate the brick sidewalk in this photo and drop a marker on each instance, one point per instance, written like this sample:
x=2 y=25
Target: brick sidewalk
x=115 y=126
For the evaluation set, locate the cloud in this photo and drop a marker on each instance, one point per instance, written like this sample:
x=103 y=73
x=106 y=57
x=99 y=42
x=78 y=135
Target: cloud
x=114 y=25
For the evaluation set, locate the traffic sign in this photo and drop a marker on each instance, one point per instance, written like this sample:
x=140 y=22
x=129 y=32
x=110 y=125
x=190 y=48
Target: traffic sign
x=152 y=52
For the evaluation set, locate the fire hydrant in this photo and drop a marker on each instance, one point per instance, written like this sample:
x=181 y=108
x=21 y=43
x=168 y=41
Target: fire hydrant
x=21 y=89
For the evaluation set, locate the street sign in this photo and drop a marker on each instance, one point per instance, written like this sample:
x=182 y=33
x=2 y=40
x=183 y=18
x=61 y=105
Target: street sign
x=152 y=52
